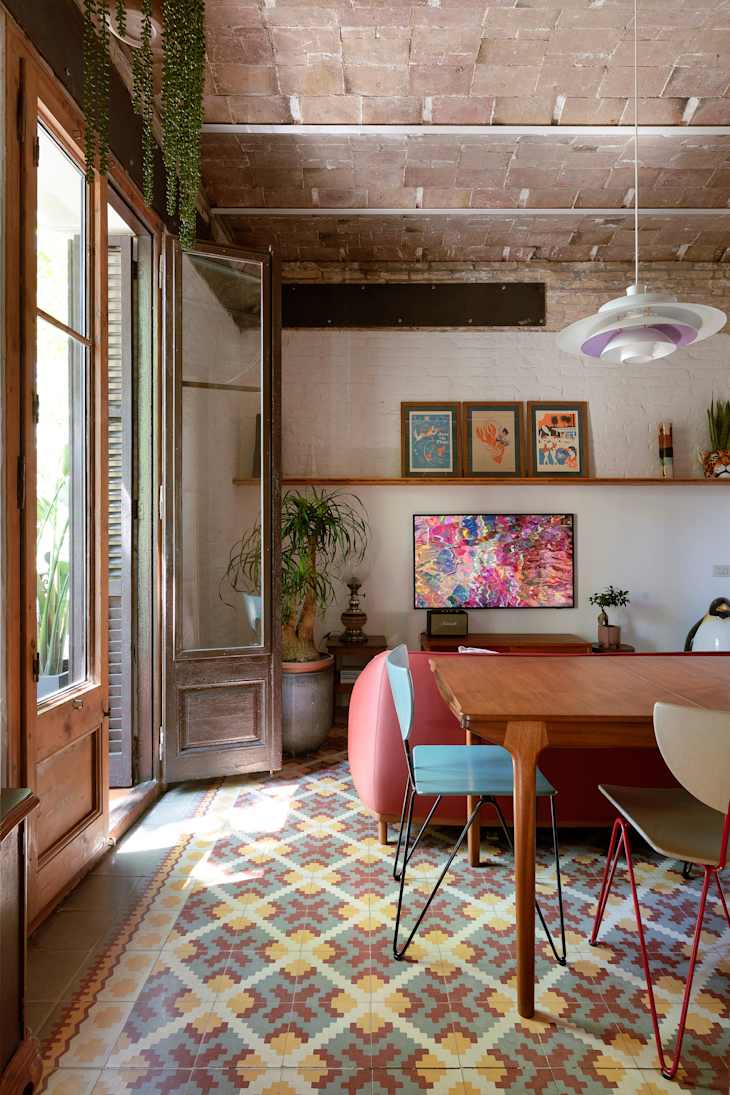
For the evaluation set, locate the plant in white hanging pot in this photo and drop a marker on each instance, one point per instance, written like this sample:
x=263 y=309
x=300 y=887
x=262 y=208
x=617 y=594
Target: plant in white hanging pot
x=609 y=635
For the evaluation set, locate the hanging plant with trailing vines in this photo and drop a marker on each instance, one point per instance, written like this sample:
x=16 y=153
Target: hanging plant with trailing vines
x=97 y=71
x=143 y=99
x=182 y=108
x=182 y=97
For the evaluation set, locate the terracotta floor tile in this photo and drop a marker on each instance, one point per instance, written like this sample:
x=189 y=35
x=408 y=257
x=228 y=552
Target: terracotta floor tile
x=441 y=1081
x=92 y=1044
x=67 y=927
x=37 y=1014
x=147 y=1081
x=125 y=979
x=100 y=891
x=226 y=1081
x=72 y=1081
x=51 y=971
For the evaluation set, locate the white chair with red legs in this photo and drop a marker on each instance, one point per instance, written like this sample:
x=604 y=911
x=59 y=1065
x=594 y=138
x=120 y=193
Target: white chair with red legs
x=689 y=823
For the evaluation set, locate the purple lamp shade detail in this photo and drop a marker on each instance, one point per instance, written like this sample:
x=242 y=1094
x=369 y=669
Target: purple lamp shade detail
x=681 y=334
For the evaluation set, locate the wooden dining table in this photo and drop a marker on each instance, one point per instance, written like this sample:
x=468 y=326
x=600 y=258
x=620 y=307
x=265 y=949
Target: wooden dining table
x=528 y=704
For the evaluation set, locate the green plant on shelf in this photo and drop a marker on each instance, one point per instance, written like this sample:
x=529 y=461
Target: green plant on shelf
x=718 y=425
x=610 y=597
x=53 y=575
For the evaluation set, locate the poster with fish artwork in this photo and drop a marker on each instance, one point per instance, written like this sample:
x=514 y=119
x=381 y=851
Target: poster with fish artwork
x=493 y=440
x=430 y=439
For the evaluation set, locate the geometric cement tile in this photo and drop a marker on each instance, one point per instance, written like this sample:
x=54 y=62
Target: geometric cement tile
x=257 y=955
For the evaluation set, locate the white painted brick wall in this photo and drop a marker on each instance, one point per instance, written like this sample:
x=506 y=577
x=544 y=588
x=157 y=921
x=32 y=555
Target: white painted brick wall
x=342 y=393
x=341 y=403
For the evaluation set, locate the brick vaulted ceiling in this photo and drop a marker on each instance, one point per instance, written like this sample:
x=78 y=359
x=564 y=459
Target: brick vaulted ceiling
x=407 y=78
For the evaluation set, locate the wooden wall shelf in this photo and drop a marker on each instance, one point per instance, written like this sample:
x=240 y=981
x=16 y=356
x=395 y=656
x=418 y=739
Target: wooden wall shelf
x=428 y=481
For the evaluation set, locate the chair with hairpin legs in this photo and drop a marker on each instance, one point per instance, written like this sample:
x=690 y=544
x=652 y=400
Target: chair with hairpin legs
x=690 y=823
x=482 y=771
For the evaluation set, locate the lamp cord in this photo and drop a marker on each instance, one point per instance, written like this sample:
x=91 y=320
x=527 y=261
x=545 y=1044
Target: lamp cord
x=636 y=147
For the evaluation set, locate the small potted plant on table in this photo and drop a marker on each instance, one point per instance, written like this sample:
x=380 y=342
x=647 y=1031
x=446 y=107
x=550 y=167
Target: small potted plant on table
x=321 y=530
x=609 y=635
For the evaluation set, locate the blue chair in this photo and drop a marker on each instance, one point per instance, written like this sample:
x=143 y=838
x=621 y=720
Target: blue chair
x=483 y=771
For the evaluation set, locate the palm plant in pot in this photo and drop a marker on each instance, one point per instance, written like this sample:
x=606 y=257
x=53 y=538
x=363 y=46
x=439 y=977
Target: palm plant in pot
x=321 y=531
x=609 y=635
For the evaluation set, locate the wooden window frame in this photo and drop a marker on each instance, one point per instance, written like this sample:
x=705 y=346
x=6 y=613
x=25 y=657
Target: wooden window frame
x=55 y=109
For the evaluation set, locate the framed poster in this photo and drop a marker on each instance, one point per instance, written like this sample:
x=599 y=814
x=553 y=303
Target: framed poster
x=493 y=440
x=430 y=439
x=557 y=439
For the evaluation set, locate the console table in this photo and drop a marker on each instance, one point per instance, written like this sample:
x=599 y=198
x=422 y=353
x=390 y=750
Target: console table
x=350 y=660
x=506 y=643
x=20 y=1062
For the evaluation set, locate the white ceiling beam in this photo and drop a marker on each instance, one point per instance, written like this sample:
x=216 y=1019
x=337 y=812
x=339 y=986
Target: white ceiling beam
x=244 y=211
x=233 y=128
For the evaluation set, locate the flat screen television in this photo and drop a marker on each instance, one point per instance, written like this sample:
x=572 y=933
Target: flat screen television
x=494 y=560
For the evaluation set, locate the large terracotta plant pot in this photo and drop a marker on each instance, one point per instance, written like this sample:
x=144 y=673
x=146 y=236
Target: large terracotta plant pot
x=307 y=704
x=716 y=465
x=609 y=636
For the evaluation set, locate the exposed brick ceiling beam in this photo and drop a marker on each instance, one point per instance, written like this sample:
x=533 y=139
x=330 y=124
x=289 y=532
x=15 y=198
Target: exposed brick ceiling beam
x=466 y=61
x=289 y=130
x=338 y=211
x=482 y=237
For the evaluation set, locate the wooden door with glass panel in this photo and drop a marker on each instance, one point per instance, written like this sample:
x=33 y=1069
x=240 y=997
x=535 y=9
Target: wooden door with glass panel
x=63 y=610
x=222 y=553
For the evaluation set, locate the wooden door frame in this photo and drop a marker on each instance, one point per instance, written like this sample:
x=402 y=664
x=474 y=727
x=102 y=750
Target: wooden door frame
x=60 y=114
x=65 y=723
x=271 y=502
x=123 y=196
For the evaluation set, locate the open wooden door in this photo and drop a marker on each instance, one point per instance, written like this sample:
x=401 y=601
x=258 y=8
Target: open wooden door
x=222 y=428
x=55 y=430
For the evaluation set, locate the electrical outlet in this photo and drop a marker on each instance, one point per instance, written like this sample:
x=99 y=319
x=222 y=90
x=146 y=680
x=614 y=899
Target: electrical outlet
x=721 y=570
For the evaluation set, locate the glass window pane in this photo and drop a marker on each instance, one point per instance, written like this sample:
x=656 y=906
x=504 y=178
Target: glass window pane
x=61 y=244
x=221 y=587
x=61 y=510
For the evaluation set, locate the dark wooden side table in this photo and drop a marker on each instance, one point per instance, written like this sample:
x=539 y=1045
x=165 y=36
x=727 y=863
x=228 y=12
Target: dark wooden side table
x=624 y=648
x=508 y=643
x=350 y=660
x=20 y=1062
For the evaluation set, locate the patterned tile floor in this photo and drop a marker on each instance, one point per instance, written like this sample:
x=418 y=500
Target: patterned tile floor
x=239 y=938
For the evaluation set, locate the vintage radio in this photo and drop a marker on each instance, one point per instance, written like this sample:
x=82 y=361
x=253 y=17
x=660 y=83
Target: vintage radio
x=447 y=621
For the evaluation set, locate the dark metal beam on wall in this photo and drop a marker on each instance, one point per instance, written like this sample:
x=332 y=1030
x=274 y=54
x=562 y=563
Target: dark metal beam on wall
x=56 y=28
x=410 y=304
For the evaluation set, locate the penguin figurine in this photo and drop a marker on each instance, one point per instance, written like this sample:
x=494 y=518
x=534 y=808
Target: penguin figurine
x=713 y=629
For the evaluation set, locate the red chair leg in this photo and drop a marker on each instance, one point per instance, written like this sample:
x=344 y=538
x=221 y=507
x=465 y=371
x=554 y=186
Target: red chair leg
x=669 y=1071
x=612 y=855
x=722 y=896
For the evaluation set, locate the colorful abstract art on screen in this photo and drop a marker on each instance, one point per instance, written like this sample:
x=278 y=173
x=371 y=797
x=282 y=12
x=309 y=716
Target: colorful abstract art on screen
x=508 y=560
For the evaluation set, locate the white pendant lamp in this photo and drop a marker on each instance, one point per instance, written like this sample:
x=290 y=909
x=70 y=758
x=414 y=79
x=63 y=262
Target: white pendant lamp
x=641 y=327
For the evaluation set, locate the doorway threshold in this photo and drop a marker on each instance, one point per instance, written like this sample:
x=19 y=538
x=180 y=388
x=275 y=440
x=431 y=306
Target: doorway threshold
x=127 y=804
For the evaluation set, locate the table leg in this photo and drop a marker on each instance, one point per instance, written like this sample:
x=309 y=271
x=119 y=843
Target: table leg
x=474 y=838
x=525 y=741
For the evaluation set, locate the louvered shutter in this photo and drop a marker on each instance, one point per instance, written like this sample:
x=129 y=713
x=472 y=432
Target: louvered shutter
x=120 y=511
